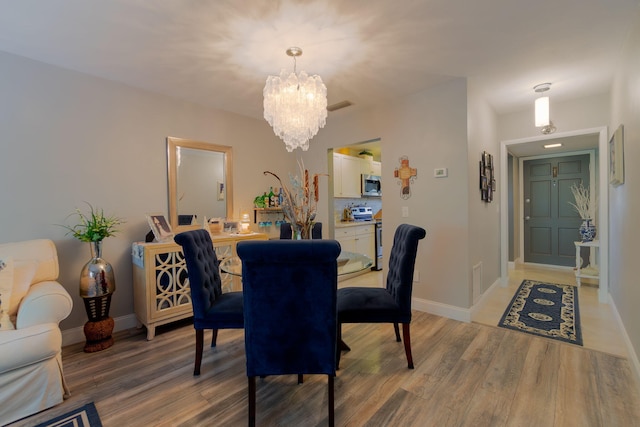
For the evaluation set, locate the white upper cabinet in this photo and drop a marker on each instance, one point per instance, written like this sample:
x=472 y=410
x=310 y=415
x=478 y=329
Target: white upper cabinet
x=346 y=176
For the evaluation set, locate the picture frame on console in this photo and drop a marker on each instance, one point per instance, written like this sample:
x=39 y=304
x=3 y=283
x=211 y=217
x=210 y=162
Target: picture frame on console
x=160 y=227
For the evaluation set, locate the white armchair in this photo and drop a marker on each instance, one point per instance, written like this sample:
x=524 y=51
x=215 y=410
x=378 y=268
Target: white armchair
x=31 y=375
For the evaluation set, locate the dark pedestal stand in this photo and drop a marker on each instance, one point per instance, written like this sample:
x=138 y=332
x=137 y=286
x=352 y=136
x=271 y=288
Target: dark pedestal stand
x=99 y=328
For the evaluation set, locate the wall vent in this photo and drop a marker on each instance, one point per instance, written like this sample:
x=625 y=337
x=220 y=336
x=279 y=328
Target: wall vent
x=339 y=105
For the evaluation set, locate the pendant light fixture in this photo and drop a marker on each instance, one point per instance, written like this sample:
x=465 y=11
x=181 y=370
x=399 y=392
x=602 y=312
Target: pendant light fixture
x=295 y=105
x=542 y=118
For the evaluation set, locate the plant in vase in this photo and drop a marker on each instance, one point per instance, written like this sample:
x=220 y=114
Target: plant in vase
x=97 y=281
x=299 y=203
x=586 y=209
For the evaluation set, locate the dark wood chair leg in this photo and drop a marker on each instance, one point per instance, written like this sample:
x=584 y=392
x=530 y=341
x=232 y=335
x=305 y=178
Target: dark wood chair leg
x=330 y=401
x=214 y=337
x=252 y=401
x=407 y=344
x=395 y=328
x=300 y=378
x=199 y=349
x=339 y=345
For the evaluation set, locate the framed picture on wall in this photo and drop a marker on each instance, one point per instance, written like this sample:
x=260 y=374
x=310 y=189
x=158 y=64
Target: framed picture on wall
x=616 y=157
x=160 y=227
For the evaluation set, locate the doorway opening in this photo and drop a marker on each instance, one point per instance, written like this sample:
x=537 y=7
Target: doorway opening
x=528 y=147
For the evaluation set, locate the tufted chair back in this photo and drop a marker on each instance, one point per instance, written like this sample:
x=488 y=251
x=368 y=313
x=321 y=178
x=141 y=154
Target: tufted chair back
x=401 y=265
x=203 y=267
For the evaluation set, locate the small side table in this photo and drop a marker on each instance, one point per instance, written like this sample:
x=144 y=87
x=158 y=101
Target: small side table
x=592 y=272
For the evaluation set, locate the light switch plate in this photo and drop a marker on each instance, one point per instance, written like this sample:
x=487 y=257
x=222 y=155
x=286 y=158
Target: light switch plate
x=405 y=211
x=440 y=172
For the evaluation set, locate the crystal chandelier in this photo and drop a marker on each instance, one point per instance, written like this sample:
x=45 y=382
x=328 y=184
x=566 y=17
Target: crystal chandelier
x=295 y=105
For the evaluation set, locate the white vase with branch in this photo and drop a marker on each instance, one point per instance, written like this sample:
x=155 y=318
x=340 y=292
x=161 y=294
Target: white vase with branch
x=585 y=207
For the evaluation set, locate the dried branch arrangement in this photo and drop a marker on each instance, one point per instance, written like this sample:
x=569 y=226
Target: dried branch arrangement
x=299 y=203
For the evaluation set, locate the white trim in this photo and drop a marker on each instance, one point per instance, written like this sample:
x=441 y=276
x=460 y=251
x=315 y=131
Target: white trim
x=440 y=309
x=603 y=186
x=484 y=298
x=521 y=160
x=632 y=356
x=76 y=335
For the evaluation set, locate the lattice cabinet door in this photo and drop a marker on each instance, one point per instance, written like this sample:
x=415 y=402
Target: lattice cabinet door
x=161 y=284
x=172 y=282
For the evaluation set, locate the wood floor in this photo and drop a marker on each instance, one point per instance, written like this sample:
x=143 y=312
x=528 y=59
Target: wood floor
x=466 y=374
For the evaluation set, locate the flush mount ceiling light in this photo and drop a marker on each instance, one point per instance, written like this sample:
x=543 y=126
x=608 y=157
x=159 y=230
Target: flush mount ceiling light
x=542 y=109
x=295 y=105
x=556 y=145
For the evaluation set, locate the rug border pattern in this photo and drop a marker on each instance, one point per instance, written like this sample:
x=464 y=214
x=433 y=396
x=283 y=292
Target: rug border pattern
x=569 y=330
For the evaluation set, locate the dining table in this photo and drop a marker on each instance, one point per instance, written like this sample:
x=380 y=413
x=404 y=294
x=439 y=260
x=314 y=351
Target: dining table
x=348 y=263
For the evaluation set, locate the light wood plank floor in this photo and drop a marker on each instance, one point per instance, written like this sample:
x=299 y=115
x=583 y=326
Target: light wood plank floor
x=465 y=375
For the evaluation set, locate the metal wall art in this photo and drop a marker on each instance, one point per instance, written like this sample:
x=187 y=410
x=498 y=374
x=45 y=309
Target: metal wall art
x=487 y=179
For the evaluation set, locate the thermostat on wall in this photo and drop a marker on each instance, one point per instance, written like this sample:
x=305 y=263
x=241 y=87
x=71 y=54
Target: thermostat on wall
x=440 y=172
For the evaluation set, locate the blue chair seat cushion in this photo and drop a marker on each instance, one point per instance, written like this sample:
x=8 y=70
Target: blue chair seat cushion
x=368 y=305
x=226 y=313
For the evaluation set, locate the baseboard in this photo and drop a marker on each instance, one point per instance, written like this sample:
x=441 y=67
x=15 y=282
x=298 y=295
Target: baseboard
x=76 y=335
x=444 y=310
x=485 y=297
x=632 y=355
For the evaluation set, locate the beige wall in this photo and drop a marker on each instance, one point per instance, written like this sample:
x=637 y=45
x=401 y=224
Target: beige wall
x=484 y=218
x=624 y=200
x=430 y=129
x=69 y=137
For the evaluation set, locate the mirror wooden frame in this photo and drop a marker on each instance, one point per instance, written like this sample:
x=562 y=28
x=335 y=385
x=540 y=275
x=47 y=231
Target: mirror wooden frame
x=173 y=144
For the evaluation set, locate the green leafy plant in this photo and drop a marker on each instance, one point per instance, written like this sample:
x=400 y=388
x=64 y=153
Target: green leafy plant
x=94 y=226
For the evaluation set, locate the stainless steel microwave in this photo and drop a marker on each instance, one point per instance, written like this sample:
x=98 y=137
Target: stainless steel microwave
x=371 y=186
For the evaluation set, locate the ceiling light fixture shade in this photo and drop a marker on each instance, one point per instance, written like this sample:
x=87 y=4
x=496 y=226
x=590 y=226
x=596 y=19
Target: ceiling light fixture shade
x=295 y=105
x=542 y=111
x=542 y=117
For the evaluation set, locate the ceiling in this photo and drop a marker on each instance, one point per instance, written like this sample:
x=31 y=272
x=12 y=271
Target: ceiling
x=219 y=53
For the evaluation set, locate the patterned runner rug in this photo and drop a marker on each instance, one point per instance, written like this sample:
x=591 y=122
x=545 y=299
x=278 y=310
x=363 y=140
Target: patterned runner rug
x=84 y=416
x=545 y=309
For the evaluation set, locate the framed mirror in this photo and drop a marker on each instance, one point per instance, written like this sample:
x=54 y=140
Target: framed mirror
x=200 y=183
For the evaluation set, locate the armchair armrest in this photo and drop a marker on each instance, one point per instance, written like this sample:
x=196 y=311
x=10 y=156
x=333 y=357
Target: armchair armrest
x=46 y=302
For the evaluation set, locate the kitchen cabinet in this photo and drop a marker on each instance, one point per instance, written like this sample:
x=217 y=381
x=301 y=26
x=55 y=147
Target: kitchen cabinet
x=346 y=176
x=161 y=291
x=370 y=167
x=357 y=238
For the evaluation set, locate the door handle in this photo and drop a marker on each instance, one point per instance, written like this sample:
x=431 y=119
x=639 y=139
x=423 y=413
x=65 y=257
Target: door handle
x=527 y=218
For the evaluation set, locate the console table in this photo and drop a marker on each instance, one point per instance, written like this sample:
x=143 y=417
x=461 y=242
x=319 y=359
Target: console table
x=160 y=284
x=592 y=271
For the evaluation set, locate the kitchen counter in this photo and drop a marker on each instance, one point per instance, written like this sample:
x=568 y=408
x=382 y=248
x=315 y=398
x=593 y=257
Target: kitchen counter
x=343 y=224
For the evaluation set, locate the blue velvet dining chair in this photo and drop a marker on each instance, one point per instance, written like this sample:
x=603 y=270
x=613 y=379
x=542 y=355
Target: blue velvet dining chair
x=212 y=309
x=289 y=310
x=287 y=233
x=391 y=304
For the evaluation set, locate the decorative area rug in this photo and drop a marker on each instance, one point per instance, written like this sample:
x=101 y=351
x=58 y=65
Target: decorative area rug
x=545 y=309
x=84 y=416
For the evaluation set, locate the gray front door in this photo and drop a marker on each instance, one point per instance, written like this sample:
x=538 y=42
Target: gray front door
x=551 y=224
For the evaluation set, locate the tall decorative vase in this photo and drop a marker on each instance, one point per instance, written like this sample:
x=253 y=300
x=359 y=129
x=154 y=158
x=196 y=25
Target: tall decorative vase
x=302 y=231
x=97 y=285
x=587 y=230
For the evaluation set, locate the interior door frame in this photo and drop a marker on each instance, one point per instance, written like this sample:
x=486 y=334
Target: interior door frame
x=603 y=203
x=592 y=191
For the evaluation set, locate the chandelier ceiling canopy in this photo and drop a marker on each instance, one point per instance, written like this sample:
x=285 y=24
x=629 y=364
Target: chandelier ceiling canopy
x=295 y=105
